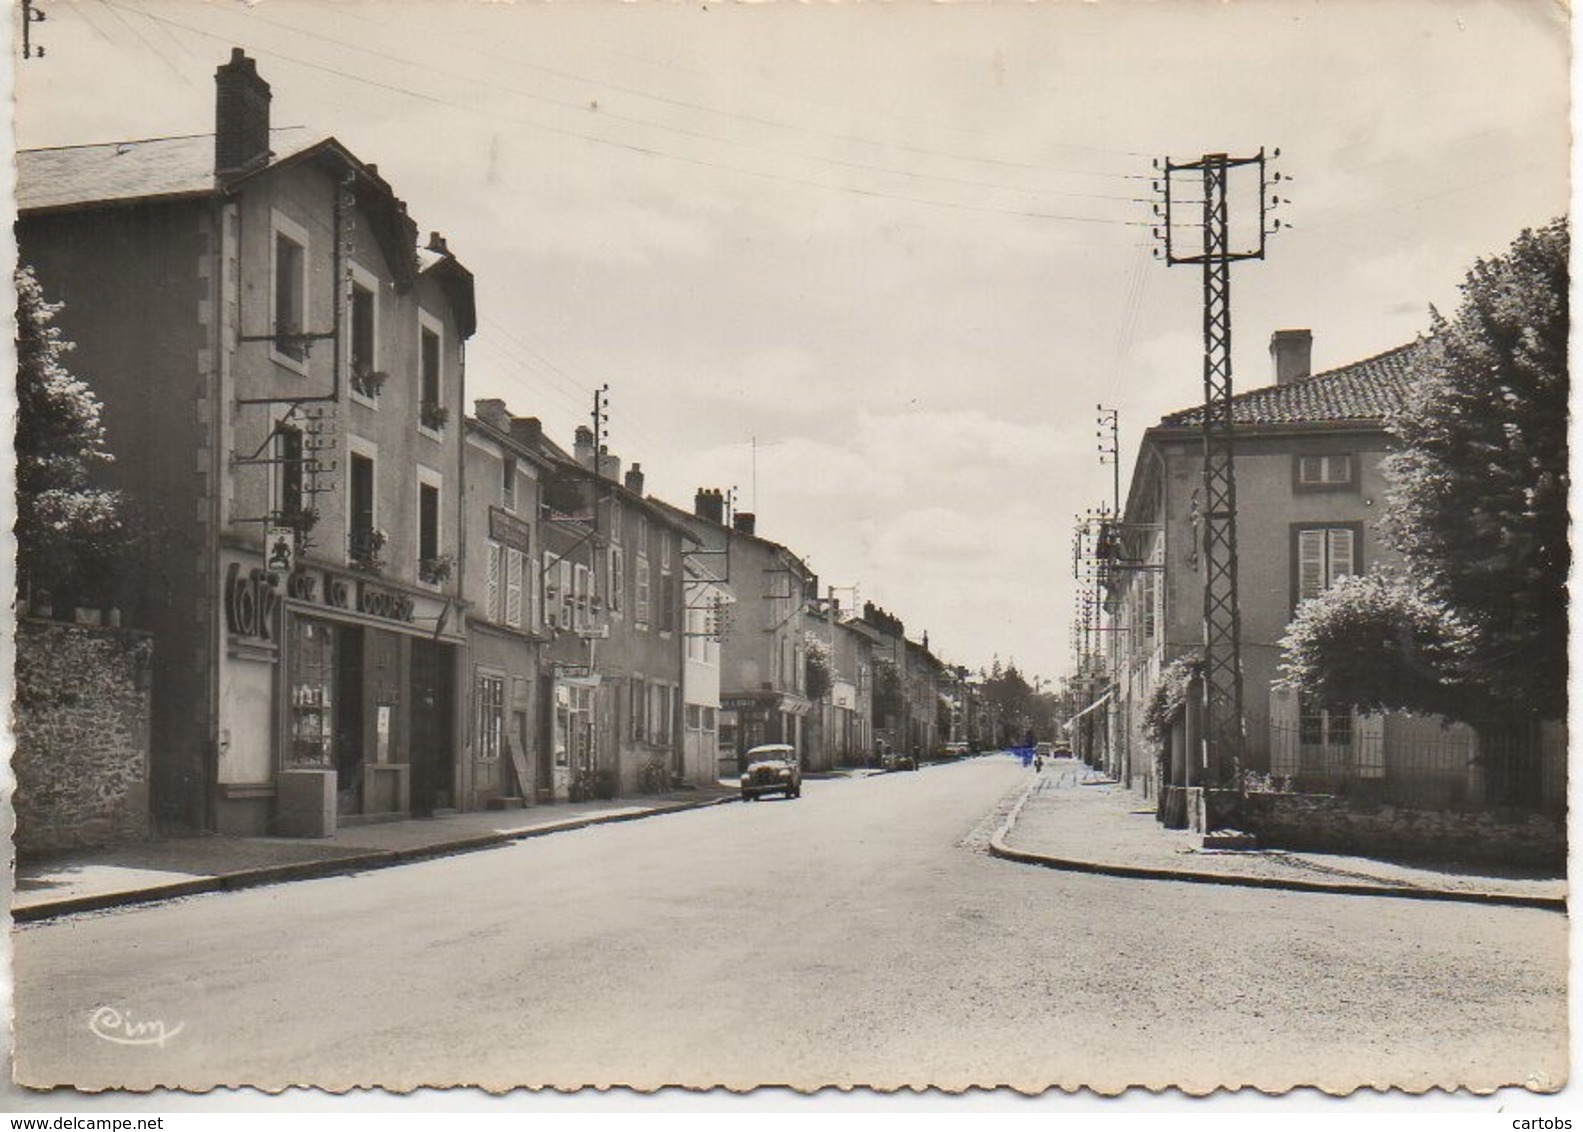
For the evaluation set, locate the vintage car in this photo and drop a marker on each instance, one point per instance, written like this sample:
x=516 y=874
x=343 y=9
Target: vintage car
x=772 y=769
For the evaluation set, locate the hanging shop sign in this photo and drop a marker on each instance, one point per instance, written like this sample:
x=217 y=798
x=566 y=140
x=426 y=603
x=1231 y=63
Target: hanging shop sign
x=508 y=530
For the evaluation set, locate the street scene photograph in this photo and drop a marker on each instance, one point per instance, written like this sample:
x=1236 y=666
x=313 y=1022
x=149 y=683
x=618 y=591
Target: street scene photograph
x=795 y=553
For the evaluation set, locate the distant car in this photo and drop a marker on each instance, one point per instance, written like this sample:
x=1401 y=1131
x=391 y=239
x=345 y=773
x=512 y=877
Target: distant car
x=1063 y=749
x=772 y=769
x=955 y=750
x=899 y=760
x=1044 y=750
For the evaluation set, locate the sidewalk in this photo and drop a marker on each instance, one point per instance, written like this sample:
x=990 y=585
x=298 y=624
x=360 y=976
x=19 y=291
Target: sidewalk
x=1072 y=818
x=160 y=870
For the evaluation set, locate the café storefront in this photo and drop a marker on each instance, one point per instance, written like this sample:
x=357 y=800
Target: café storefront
x=338 y=702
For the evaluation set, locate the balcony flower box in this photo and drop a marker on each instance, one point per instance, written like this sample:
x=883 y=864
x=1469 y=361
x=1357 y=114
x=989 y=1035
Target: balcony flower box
x=433 y=415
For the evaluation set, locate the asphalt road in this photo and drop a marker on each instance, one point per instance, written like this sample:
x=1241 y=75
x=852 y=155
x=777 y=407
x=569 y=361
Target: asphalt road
x=856 y=936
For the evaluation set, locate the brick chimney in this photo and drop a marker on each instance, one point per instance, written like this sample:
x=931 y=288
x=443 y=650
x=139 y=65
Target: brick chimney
x=635 y=479
x=743 y=521
x=493 y=412
x=609 y=464
x=583 y=446
x=709 y=504
x=241 y=116
x=437 y=244
x=527 y=430
x=1292 y=352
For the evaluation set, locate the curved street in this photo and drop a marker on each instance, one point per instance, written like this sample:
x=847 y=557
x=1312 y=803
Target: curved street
x=859 y=935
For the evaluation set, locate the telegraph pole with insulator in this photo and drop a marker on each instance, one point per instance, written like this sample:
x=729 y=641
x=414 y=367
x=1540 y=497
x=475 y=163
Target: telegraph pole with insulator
x=1215 y=250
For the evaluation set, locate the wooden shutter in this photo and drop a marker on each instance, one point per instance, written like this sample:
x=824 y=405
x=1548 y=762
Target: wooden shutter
x=1310 y=564
x=492 y=601
x=514 y=588
x=1341 y=554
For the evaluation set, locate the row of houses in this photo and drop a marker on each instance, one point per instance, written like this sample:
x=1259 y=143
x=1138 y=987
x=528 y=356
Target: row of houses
x=364 y=600
x=1310 y=492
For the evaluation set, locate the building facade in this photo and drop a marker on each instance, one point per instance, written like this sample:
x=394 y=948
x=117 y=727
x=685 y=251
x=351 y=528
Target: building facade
x=280 y=363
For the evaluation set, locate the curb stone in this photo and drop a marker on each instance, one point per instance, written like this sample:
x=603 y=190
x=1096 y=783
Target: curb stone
x=999 y=848
x=333 y=866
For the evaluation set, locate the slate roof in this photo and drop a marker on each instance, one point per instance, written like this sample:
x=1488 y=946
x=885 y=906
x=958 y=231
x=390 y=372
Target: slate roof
x=1363 y=391
x=157 y=168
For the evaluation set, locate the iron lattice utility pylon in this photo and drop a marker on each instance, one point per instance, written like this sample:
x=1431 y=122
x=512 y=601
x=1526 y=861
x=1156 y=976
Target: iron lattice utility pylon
x=1223 y=719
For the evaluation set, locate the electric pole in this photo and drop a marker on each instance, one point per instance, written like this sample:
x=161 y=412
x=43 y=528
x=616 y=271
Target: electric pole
x=1223 y=739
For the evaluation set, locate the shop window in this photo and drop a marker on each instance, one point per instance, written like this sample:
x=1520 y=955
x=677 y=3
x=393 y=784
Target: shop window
x=312 y=695
x=491 y=716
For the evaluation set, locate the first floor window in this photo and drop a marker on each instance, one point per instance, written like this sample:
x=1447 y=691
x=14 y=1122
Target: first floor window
x=638 y=706
x=1323 y=555
x=428 y=531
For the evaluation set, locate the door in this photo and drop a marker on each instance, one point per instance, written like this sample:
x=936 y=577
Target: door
x=433 y=761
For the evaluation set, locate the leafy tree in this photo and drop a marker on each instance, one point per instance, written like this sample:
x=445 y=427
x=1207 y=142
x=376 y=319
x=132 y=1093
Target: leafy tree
x=1478 y=505
x=1376 y=643
x=1475 y=629
x=71 y=534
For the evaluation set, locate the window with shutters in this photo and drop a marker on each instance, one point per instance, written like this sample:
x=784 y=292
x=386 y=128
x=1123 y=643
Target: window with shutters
x=563 y=585
x=640 y=598
x=552 y=600
x=1321 y=554
x=617 y=579
x=514 y=565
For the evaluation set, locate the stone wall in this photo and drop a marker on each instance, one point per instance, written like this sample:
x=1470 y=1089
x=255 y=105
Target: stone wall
x=82 y=736
x=1327 y=823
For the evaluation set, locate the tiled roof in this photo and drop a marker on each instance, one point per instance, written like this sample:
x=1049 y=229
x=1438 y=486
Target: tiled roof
x=1363 y=391
x=130 y=170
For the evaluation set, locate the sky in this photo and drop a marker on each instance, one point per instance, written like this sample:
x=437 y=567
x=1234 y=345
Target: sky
x=878 y=266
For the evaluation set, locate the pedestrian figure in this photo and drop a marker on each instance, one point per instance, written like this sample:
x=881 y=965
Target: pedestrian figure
x=1038 y=764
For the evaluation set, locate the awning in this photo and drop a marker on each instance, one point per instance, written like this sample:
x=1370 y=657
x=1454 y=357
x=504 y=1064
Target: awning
x=1099 y=703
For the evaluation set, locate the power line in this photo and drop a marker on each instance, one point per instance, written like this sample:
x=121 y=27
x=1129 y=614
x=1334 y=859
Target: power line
x=582 y=108
x=777 y=124
x=664 y=154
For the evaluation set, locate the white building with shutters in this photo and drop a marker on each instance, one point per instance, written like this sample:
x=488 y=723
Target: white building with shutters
x=1310 y=493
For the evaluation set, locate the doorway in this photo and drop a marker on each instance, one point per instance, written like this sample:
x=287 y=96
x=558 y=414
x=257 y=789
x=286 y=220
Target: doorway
x=433 y=761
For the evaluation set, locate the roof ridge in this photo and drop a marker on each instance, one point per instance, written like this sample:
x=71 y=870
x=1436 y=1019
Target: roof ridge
x=141 y=141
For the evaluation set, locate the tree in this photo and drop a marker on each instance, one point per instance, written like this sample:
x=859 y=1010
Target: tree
x=816 y=666
x=71 y=534
x=1478 y=503
x=1374 y=643
x=1475 y=629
